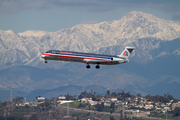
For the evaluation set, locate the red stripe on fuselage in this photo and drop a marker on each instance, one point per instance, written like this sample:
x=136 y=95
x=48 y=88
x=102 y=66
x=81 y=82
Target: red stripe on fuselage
x=77 y=57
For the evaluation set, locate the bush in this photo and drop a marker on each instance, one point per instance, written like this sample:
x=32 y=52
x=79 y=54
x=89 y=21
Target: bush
x=33 y=117
x=88 y=114
x=176 y=112
x=81 y=105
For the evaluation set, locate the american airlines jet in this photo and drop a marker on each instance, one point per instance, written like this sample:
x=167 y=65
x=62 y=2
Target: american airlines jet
x=88 y=58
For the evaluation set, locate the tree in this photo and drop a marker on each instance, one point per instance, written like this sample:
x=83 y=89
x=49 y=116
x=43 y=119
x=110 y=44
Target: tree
x=112 y=106
x=128 y=94
x=33 y=117
x=87 y=95
x=175 y=100
x=53 y=99
x=47 y=103
x=83 y=95
x=138 y=95
x=99 y=96
x=94 y=98
x=169 y=97
x=108 y=92
x=176 y=112
x=149 y=97
x=18 y=99
x=70 y=97
x=113 y=94
x=112 y=118
x=88 y=114
x=27 y=106
x=100 y=107
x=81 y=105
x=165 y=95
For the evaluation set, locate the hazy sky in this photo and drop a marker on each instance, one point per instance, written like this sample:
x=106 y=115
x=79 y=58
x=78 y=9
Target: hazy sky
x=53 y=15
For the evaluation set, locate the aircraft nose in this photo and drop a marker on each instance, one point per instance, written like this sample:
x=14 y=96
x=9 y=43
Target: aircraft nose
x=42 y=55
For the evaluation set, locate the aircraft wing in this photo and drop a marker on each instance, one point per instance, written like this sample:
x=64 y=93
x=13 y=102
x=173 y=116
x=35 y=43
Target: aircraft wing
x=110 y=62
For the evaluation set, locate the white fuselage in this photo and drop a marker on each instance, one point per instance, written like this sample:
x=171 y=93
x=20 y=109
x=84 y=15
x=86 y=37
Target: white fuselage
x=88 y=58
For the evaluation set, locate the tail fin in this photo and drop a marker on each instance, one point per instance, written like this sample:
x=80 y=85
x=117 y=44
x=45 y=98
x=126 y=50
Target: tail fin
x=127 y=51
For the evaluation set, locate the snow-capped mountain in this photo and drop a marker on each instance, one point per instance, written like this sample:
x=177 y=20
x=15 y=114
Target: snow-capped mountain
x=25 y=48
x=157 y=53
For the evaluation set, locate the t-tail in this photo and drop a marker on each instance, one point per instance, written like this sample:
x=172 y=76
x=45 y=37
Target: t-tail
x=126 y=53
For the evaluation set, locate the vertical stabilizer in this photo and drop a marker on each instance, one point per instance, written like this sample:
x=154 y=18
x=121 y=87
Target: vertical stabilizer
x=127 y=51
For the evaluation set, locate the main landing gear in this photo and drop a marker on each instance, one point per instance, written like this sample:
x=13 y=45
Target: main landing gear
x=88 y=66
x=97 y=66
x=45 y=61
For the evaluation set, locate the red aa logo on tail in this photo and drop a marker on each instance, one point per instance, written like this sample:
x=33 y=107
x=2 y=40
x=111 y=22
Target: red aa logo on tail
x=125 y=53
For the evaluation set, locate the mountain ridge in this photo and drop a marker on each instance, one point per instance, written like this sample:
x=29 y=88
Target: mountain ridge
x=29 y=45
x=33 y=78
x=156 y=56
x=137 y=17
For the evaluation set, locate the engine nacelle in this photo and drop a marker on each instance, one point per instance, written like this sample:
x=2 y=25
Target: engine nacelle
x=116 y=59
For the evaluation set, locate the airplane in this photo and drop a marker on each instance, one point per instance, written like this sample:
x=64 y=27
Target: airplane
x=88 y=58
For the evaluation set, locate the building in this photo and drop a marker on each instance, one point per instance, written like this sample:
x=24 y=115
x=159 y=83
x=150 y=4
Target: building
x=86 y=100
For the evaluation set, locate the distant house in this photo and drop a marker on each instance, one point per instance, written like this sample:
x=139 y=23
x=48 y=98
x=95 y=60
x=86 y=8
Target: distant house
x=166 y=108
x=135 y=99
x=128 y=99
x=149 y=102
x=148 y=112
x=89 y=101
x=107 y=104
x=143 y=99
x=41 y=98
x=148 y=106
x=99 y=102
x=106 y=100
x=20 y=104
x=157 y=108
x=64 y=101
x=26 y=103
x=99 y=99
x=86 y=100
x=34 y=103
x=93 y=102
x=140 y=106
x=132 y=103
x=113 y=99
x=157 y=103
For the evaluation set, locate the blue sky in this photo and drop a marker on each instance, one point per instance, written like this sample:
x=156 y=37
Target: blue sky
x=53 y=15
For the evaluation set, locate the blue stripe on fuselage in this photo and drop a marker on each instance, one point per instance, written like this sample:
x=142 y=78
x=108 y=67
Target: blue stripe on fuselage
x=78 y=55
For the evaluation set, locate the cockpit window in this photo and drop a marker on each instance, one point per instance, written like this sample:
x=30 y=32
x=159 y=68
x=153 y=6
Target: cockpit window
x=49 y=51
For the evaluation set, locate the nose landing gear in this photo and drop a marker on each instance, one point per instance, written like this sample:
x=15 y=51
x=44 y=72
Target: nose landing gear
x=45 y=61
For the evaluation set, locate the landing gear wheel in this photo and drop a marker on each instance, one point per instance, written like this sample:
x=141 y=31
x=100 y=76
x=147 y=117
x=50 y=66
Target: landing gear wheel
x=45 y=61
x=97 y=66
x=88 y=66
